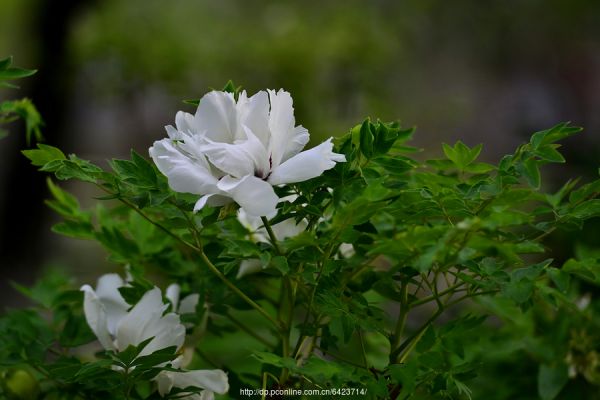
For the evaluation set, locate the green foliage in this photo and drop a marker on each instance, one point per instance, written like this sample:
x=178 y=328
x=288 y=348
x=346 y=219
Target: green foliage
x=15 y=109
x=426 y=236
x=9 y=73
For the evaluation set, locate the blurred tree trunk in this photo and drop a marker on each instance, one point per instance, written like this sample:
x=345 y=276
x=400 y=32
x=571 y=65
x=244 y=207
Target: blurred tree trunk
x=22 y=220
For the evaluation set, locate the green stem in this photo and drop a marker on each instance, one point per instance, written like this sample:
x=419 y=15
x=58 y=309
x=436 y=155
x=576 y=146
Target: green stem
x=271 y=235
x=285 y=344
x=237 y=291
x=362 y=348
x=408 y=345
x=433 y=297
x=287 y=297
x=402 y=316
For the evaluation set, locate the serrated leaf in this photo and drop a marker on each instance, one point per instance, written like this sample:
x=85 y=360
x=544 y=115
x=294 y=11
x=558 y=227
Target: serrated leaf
x=554 y=134
x=43 y=154
x=461 y=155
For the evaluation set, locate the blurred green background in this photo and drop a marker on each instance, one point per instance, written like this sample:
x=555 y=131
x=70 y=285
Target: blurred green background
x=113 y=73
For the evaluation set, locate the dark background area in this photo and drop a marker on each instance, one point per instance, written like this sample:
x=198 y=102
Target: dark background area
x=113 y=73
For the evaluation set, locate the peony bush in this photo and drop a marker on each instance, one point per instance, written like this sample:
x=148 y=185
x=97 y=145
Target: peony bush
x=352 y=269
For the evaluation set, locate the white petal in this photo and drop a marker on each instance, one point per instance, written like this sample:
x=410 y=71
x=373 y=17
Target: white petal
x=164 y=381
x=254 y=113
x=289 y=228
x=286 y=140
x=248 y=222
x=252 y=194
x=95 y=315
x=173 y=133
x=258 y=152
x=216 y=117
x=185 y=123
x=185 y=174
x=213 y=200
x=172 y=293
x=248 y=267
x=347 y=250
x=188 y=304
x=132 y=330
x=233 y=159
x=113 y=303
x=214 y=380
x=255 y=225
x=167 y=331
x=298 y=140
x=306 y=165
x=205 y=395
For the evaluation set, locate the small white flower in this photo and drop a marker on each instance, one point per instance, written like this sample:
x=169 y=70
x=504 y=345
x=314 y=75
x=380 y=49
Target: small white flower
x=236 y=151
x=117 y=327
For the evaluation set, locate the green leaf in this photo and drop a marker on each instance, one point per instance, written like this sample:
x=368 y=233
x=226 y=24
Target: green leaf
x=5 y=63
x=133 y=292
x=366 y=139
x=127 y=356
x=158 y=357
x=394 y=165
x=461 y=155
x=588 y=269
x=589 y=209
x=560 y=278
x=549 y=153
x=551 y=380
x=273 y=359
x=75 y=229
x=43 y=155
x=406 y=375
x=281 y=264
x=230 y=87
x=531 y=172
x=15 y=73
x=479 y=168
x=76 y=332
x=554 y=134
x=138 y=172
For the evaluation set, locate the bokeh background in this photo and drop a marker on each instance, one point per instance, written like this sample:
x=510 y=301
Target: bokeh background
x=113 y=73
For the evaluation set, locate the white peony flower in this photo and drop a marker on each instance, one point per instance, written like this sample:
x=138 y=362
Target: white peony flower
x=117 y=327
x=236 y=151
